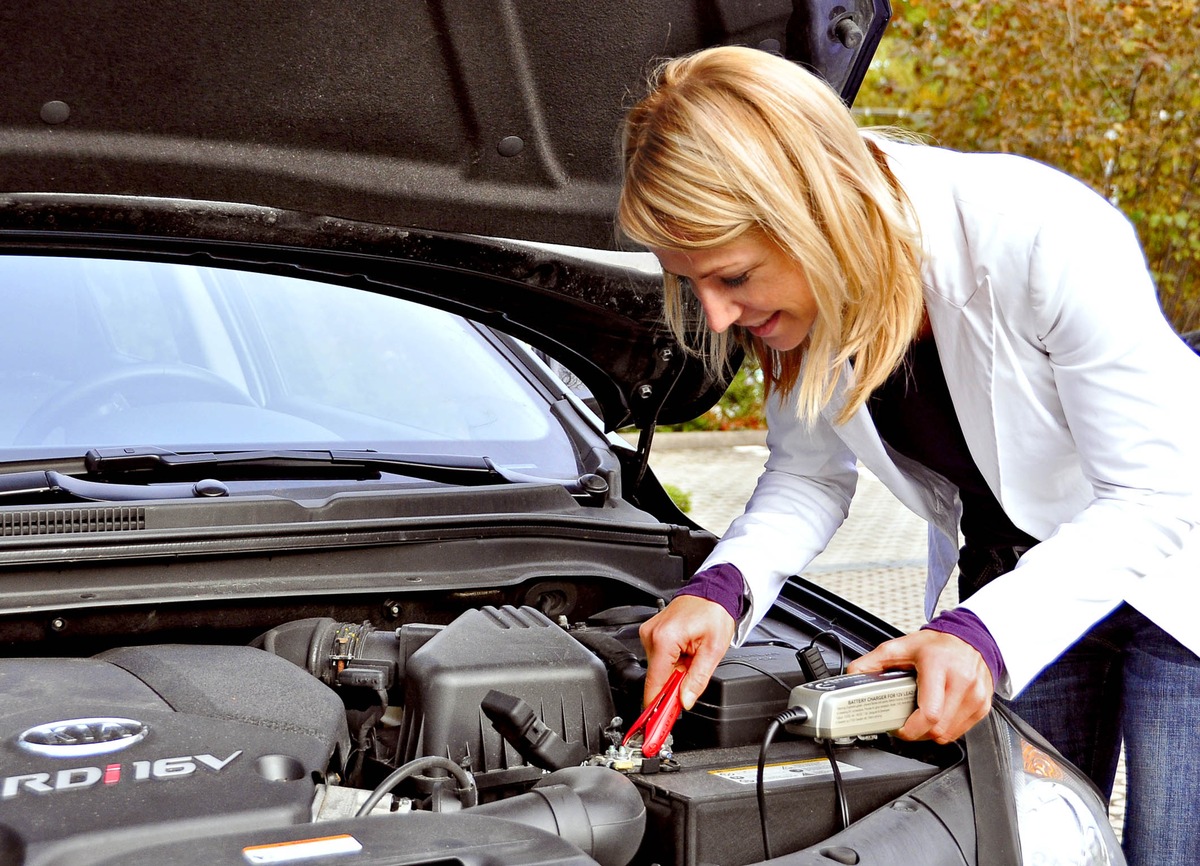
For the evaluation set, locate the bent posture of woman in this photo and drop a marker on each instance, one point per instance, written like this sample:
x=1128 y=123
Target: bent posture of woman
x=981 y=332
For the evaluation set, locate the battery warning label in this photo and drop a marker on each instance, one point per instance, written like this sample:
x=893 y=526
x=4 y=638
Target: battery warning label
x=787 y=770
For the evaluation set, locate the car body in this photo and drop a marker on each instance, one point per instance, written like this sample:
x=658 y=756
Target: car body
x=317 y=541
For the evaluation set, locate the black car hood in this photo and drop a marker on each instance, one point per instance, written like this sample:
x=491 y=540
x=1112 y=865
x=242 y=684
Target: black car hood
x=490 y=117
x=494 y=117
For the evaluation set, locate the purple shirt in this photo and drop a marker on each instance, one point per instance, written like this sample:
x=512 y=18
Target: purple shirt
x=723 y=584
x=966 y=626
x=720 y=583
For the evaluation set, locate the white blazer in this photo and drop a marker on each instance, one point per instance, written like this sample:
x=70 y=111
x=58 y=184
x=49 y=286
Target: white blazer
x=1076 y=398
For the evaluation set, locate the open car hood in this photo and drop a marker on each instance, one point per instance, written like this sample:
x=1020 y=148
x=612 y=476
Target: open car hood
x=494 y=117
x=127 y=130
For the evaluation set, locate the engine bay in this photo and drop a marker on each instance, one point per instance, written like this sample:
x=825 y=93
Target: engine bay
x=501 y=730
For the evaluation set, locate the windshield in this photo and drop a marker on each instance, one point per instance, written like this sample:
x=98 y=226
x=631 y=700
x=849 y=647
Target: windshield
x=98 y=353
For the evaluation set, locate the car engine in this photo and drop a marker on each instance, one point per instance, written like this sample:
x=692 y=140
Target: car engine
x=500 y=731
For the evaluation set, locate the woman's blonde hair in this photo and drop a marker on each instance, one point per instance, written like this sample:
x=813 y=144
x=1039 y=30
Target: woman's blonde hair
x=734 y=140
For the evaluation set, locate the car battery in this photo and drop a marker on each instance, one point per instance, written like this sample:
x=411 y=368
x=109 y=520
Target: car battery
x=707 y=811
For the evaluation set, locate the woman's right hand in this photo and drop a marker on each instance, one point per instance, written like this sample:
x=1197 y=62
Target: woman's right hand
x=692 y=633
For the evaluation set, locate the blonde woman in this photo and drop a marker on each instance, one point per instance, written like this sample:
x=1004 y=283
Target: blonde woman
x=981 y=332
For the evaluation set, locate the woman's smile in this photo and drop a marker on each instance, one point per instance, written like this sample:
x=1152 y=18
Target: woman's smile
x=763 y=330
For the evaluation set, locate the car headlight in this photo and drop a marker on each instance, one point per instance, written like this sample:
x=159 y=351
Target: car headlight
x=1061 y=819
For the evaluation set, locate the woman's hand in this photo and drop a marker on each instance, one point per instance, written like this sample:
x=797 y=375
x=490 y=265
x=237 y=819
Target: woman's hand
x=954 y=685
x=691 y=632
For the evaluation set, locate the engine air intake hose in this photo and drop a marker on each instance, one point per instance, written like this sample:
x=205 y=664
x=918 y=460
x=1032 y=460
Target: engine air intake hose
x=596 y=809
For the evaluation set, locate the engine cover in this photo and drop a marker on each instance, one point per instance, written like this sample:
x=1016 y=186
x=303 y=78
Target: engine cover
x=154 y=743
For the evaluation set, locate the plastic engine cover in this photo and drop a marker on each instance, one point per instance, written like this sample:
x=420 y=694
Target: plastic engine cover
x=157 y=743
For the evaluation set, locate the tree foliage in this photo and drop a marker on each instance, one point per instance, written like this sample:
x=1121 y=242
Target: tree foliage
x=1106 y=91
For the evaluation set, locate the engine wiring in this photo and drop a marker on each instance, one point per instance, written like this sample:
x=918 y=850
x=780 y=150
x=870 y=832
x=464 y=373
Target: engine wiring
x=468 y=793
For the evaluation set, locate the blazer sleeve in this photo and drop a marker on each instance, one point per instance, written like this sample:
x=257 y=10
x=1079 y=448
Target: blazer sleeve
x=1126 y=388
x=800 y=500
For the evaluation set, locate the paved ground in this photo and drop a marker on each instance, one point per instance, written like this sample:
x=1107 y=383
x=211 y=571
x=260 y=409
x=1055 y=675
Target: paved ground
x=877 y=559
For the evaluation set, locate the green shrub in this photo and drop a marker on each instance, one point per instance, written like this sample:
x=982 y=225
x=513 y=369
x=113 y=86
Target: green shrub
x=681 y=498
x=741 y=407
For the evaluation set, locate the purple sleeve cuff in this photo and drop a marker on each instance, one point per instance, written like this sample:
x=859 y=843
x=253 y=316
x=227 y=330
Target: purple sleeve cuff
x=966 y=626
x=720 y=583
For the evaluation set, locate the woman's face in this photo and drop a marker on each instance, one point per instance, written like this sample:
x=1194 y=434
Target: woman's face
x=749 y=282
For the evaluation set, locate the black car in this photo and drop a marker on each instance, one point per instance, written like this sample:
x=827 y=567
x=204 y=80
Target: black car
x=317 y=541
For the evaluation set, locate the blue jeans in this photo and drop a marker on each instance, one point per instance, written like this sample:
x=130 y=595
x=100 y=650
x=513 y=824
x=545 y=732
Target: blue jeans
x=1128 y=680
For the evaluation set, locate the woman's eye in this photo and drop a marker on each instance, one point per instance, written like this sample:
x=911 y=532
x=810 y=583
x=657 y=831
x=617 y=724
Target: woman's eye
x=733 y=282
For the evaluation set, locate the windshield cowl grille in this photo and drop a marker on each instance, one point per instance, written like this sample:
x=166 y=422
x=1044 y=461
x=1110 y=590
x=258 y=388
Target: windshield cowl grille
x=14 y=523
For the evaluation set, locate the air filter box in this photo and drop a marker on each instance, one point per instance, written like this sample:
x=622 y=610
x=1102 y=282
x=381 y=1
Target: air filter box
x=517 y=651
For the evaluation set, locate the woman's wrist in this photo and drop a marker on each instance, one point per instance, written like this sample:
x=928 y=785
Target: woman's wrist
x=721 y=584
x=967 y=627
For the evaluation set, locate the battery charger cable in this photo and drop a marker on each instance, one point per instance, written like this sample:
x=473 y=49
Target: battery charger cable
x=812 y=664
x=794 y=715
x=766 y=673
x=811 y=655
x=789 y=716
x=838 y=786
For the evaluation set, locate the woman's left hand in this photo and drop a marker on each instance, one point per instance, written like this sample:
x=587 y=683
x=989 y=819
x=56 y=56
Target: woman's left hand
x=954 y=685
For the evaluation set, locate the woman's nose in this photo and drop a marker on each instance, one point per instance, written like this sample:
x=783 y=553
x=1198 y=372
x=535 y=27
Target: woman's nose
x=719 y=311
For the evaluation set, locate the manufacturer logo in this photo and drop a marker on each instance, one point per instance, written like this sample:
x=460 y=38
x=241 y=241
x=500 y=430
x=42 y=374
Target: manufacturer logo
x=82 y=738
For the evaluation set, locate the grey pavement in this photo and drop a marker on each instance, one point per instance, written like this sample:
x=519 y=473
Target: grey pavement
x=876 y=560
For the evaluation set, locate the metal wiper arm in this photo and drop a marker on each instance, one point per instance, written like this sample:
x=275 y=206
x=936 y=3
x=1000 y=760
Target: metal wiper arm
x=150 y=464
x=147 y=472
x=159 y=464
x=49 y=481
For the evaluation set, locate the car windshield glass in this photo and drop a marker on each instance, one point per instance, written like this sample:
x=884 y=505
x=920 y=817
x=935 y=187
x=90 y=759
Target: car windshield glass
x=100 y=353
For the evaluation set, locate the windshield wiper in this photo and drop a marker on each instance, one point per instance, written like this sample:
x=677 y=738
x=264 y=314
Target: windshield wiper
x=49 y=481
x=122 y=474
x=149 y=464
